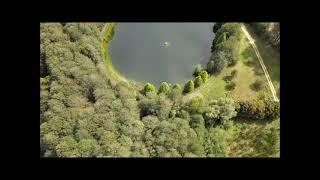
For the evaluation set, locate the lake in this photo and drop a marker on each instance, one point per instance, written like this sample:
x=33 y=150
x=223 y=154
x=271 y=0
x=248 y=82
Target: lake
x=156 y=52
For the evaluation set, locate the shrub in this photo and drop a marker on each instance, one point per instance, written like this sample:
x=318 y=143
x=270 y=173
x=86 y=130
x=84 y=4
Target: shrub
x=234 y=73
x=257 y=85
x=231 y=86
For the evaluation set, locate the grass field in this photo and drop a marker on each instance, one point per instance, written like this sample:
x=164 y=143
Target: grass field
x=271 y=59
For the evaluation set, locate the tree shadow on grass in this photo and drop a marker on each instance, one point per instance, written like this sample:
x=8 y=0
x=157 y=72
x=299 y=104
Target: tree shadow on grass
x=251 y=60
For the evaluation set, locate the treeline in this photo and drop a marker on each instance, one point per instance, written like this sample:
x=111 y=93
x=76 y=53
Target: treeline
x=270 y=32
x=84 y=112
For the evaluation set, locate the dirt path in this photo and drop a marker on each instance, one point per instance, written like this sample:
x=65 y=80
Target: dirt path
x=251 y=40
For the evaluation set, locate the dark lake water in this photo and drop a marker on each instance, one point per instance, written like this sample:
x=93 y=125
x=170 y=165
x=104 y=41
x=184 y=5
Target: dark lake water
x=156 y=52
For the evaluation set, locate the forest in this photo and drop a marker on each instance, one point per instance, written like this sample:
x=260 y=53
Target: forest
x=88 y=110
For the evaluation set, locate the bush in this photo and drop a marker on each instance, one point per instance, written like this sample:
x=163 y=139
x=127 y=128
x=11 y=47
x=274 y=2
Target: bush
x=257 y=85
x=204 y=75
x=231 y=86
x=197 y=70
x=265 y=109
x=189 y=87
x=198 y=81
x=149 y=88
x=234 y=73
x=164 y=88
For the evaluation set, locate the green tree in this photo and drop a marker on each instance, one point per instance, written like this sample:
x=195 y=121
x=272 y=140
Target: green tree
x=204 y=75
x=164 y=88
x=188 y=87
x=67 y=147
x=88 y=148
x=215 y=142
x=198 y=81
x=196 y=121
x=149 y=88
x=210 y=67
x=197 y=70
x=220 y=111
x=222 y=38
x=220 y=61
x=195 y=106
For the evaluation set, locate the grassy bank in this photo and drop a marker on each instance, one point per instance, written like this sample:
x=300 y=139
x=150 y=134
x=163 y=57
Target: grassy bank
x=107 y=35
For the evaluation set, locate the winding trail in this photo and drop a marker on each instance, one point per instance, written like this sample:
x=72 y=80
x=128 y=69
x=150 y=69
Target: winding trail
x=251 y=40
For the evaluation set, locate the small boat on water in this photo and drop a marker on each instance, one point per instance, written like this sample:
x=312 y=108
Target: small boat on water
x=165 y=44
